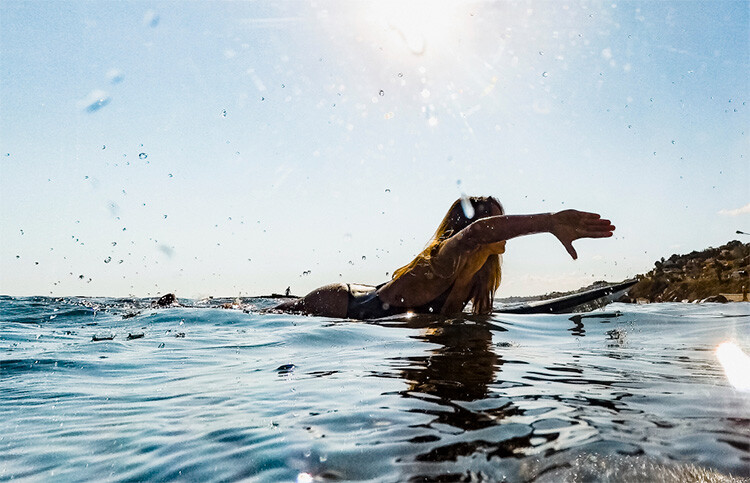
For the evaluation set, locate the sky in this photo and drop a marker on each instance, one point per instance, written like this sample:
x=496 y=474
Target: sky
x=240 y=148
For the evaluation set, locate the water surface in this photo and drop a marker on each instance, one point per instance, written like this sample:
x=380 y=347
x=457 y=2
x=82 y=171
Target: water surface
x=112 y=389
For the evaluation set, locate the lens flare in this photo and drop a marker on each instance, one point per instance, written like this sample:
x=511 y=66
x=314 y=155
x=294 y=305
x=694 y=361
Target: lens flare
x=736 y=365
x=305 y=478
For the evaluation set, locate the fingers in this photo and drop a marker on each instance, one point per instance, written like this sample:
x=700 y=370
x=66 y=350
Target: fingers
x=604 y=231
x=571 y=250
x=596 y=228
x=596 y=234
x=590 y=221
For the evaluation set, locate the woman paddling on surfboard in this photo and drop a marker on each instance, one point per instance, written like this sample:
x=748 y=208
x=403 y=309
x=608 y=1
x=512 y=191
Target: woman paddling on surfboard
x=461 y=263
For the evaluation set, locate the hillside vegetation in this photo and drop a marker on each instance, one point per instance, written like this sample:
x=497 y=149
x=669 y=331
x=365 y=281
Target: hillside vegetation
x=696 y=275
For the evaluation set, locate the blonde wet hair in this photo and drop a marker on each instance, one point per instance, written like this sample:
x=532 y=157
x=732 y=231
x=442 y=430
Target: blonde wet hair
x=487 y=279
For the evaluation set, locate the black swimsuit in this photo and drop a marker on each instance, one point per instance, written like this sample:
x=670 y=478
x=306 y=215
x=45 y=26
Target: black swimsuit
x=365 y=304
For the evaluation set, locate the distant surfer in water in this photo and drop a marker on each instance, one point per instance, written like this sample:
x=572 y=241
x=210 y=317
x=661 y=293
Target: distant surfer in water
x=461 y=263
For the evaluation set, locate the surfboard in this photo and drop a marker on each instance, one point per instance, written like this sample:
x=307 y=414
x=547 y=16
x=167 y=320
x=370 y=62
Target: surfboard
x=578 y=302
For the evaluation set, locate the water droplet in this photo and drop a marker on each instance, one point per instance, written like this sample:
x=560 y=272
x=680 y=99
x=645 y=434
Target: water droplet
x=224 y=113
x=364 y=257
x=545 y=74
x=143 y=155
x=108 y=259
x=104 y=146
x=151 y=19
x=381 y=93
x=165 y=217
x=466 y=206
x=170 y=175
x=673 y=141
x=95 y=101
x=115 y=76
x=387 y=190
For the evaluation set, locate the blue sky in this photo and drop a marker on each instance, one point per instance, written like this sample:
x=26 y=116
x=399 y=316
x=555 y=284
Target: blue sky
x=302 y=143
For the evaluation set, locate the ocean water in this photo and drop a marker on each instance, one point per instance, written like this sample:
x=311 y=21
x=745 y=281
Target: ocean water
x=112 y=389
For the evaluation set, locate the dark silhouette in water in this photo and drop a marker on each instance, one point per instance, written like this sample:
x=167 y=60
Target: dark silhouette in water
x=166 y=300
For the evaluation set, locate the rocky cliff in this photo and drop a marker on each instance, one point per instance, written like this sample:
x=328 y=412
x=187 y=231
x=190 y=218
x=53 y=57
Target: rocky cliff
x=696 y=275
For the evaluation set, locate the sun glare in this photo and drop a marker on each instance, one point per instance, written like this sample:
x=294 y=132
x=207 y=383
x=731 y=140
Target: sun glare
x=417 y=25
x=736 y=365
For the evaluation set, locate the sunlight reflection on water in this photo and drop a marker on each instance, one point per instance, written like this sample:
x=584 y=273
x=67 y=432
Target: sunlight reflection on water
x=736 y=365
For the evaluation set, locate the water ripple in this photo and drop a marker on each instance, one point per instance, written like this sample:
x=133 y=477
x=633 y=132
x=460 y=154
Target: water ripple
x=212 y=394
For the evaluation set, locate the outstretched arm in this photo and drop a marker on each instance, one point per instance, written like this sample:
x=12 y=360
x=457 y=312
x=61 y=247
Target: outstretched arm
x=488 y=235
x=567 y=226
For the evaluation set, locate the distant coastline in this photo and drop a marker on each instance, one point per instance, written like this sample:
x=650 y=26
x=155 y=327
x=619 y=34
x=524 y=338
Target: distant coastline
x=711 y=275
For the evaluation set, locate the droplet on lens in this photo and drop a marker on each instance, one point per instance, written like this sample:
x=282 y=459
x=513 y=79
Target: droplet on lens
x=466 y=206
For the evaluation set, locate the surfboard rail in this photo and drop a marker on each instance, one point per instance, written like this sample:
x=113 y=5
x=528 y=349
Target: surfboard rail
x=577 y=302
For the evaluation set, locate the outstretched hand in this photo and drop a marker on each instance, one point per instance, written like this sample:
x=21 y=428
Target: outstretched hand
x=570 y=225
